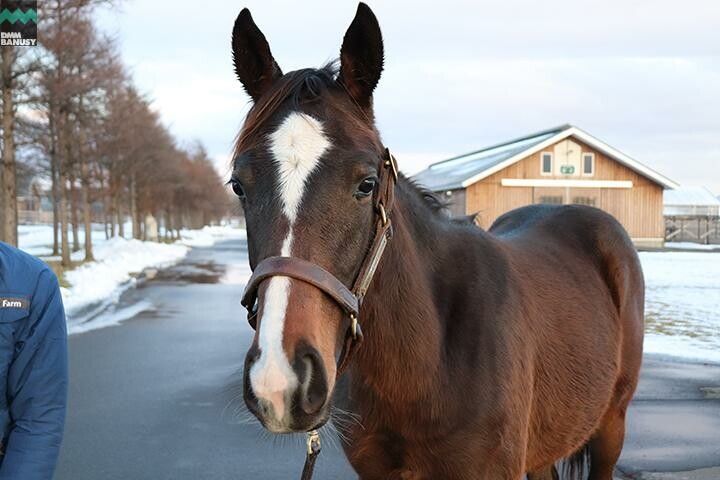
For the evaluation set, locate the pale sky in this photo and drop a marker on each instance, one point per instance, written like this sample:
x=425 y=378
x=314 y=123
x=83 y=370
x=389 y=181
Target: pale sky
x=642 y=75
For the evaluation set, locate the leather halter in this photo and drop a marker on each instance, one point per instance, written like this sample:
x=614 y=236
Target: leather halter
x=349 y=299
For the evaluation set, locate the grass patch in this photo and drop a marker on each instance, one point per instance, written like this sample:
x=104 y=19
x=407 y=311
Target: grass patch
x=60 y=271
x=167 y=240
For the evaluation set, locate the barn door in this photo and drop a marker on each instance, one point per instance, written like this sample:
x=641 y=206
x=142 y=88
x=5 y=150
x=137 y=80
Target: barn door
x=567 y=195
x=549 y=195
x=584 y=196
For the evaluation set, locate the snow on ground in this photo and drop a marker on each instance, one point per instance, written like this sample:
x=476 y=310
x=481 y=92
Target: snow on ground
x=682 y=304
x=207 y=236
x=690 y=246
x=37 y=239
x=118 y=261
x=108 y=318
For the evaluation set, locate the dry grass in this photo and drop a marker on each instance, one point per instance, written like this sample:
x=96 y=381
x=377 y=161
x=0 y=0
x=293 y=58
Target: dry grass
x=60 y=271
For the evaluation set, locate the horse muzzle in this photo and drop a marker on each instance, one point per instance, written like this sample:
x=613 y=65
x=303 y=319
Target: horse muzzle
x=287 y=401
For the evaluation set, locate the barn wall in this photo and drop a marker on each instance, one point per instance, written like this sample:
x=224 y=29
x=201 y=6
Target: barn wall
x=639 y=208
x=455 y=202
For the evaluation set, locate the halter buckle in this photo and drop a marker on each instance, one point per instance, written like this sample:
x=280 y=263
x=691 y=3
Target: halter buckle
x=313 y=442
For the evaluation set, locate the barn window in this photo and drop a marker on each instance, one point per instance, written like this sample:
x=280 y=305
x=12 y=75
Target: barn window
x=584 y=201
x=588 y=164
x=552 y=199
x=546 y=161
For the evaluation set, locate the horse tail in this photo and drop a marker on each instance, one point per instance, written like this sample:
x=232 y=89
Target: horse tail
x=576 y=465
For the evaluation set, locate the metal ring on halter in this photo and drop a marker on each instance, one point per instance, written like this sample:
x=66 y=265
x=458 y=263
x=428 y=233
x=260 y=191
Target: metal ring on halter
x=392 y=163
x=354 y=325
x=383 y=215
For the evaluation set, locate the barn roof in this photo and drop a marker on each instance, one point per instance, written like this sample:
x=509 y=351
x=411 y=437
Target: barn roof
x=690 y=196
x=466 y=169
x=690 y=201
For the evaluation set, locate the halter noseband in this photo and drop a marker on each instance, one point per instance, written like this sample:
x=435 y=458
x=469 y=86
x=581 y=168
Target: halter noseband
x=349 y=299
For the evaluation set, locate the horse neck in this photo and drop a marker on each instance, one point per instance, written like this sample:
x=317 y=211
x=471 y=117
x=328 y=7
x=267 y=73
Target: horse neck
x=403 y=352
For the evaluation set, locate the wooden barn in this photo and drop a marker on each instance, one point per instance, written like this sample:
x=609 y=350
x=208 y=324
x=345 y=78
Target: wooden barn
x=562 y=165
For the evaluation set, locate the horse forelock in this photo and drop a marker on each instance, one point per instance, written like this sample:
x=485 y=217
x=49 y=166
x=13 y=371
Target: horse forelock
x=298 y=87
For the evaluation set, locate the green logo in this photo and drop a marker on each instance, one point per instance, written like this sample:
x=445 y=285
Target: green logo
x=18 y=23
x=567 y=169
x=18 y=16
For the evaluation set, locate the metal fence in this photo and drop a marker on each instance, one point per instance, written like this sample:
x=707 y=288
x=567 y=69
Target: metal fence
x=704 y=230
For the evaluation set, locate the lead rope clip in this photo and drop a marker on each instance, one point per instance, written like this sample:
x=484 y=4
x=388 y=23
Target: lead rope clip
x=313 y=442
x=313 y=450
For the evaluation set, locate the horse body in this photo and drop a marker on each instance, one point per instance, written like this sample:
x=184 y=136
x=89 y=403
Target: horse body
x=487 y=355
x=500 y=352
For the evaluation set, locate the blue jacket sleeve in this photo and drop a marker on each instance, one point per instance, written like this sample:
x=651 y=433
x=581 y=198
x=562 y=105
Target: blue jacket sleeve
x=37 y=388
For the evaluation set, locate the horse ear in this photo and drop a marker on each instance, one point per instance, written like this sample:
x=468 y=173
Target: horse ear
x=254 y=64
x=361 y=56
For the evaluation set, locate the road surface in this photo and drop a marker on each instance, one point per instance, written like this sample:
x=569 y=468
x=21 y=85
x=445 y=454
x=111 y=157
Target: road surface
x=159 y=397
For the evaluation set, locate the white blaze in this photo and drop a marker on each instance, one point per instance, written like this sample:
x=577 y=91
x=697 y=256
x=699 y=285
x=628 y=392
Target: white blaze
x=296 y=146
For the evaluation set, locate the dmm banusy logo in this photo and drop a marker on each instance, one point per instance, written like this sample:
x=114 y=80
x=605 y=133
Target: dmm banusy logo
x=18 y=23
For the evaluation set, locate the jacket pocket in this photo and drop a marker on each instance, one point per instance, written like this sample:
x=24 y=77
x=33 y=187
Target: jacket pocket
x=13 y=307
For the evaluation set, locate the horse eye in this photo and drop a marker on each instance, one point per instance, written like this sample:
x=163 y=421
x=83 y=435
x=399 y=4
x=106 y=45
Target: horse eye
x=366 y=187
x=237 y=188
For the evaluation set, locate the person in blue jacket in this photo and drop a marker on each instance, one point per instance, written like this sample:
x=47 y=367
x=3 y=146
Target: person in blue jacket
x=33 y=367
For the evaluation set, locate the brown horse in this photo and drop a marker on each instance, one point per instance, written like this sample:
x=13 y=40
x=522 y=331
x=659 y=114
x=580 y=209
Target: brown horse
x=486 y=354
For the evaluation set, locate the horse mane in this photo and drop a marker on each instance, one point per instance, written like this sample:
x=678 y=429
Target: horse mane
x=429 y=198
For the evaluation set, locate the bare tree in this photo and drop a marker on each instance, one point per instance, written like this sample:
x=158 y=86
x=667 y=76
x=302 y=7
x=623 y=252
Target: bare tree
x=69 y=42
x=99 y=141
x=15 y=68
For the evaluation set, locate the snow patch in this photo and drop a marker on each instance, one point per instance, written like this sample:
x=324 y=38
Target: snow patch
x=207 y=236
x=682 y=304
x=110 y=319
x=691 y=246
x=96 y=285
x=117 y=260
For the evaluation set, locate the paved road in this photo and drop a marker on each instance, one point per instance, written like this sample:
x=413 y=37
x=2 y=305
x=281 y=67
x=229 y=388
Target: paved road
x=151 y=399
x=154 y=398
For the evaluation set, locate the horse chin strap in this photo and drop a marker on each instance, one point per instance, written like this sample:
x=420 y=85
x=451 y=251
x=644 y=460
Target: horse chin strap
x=349 y=300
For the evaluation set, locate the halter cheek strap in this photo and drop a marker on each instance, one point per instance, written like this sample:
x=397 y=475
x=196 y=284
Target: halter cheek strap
x=349 y=299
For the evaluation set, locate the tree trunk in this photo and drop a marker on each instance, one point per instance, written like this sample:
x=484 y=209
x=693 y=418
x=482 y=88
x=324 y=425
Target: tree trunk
x=178 y=224
x=8 y=229
x=87 y=209
x=119 y=215
x=54 y=180
x=106 y=218
x=74 y=220
x=63 y=212
x=133 y=207
x=85 y=190
x=64 y=149
x=166 y=224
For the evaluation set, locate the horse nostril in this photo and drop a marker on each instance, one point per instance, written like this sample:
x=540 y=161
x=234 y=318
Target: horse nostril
x=314 y=386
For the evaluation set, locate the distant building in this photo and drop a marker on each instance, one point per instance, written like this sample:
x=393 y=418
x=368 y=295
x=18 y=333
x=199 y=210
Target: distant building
x=692 y=214
x=563 y=165
x=34 y=203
